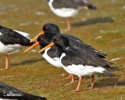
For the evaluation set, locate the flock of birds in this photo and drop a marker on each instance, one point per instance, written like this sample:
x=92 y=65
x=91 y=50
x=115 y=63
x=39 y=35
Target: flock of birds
x=60 y=50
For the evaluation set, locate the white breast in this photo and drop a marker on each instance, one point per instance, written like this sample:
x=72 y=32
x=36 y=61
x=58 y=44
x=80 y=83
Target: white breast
x=53 y=61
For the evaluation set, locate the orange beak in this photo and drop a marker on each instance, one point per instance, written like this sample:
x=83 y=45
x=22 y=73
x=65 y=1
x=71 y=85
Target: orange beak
x=31 y=47
x=49 y=45
x=32 y=40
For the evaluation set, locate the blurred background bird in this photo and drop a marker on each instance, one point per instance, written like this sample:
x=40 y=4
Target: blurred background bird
x=68 y=8
x=11 y=41
x=8 y=92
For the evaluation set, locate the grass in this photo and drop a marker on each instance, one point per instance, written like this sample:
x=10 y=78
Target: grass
x=103 y=29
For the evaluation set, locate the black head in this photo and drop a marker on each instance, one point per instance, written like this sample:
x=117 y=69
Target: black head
x=44 y=39
x=51 y=29
x=61 y=41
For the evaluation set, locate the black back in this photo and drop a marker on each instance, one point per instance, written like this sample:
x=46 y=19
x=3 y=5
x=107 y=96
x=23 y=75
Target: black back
x=51 y=30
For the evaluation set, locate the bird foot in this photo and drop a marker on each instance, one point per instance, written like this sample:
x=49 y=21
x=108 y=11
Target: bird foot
x=4 y=69
x=67 y=29
x=70 y=82
x=91 y=87
x=74 y=91
x=68 y=77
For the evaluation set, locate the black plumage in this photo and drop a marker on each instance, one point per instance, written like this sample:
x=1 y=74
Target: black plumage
x=57 y=4
x=76 y=55
x=11 y=41
x=45 y=40
x=51 y=30
x=9 y=92
x=8 y=36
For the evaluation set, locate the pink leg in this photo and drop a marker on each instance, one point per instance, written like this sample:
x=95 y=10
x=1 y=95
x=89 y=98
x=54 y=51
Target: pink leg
x=6 y=67
x=69 y=76
x=68 y=25
x=92 y=83
x=72 y=78
x=79 y=83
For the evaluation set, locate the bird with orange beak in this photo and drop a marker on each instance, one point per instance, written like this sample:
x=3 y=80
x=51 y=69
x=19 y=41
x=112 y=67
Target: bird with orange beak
x=50 y=53
x=50 y=30
x=77 y=61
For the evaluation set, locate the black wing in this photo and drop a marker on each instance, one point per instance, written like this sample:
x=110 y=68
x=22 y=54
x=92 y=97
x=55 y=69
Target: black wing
x=64 y=4
x=77 y=43
x=85 y=55
x=11 y=37
x=85 y=3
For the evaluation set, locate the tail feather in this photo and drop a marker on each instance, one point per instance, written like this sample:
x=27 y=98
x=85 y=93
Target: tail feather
x=108 y=73
x=91 y=7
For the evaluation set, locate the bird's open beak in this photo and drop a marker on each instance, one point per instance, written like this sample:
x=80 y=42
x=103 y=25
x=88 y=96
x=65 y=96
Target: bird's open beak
x=32 y=46
x=32 y=40
x=49 y=45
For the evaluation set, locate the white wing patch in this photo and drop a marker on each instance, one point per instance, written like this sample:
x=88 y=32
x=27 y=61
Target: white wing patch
x=0 y=33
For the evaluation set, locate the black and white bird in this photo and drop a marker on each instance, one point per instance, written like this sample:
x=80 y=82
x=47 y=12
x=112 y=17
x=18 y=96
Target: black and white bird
x=8 y=92
x=78 y=61
x=68 y=8
x=50 y=53
x=50 y=30
x=11 y=41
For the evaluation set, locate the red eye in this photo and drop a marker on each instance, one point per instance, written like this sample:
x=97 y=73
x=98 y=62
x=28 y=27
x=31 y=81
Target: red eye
x=46 y=27
x=41 y=38
x=57 y=39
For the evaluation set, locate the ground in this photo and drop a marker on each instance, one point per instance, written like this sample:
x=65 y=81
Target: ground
x=104 y=29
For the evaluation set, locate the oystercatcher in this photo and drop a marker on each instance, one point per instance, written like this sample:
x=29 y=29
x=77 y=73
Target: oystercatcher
x=8 y=92
x=78 y=61
x=11 y=41
x=50 y=53
x=51 y=30
x=68 y=8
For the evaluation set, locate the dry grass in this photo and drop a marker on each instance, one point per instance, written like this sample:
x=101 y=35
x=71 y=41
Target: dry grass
x=104 y=29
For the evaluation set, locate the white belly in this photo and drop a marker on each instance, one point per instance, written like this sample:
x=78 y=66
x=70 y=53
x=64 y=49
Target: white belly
x=81 y=70
x=64 y=12
x=9 y=49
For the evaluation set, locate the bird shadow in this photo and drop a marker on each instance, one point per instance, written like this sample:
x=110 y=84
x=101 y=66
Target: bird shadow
x=105 y=81
x=27 y=61
x=93 y=21
x=109 y=82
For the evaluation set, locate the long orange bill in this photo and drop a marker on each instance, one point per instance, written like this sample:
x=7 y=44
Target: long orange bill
x=32 y=46
x=32 y=40
x=49 y=45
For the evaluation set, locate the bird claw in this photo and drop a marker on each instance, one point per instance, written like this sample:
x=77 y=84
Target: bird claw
x=67 y=29
x=70 y=82
x=74 y=91
x=4 y=69
x=91 y=87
